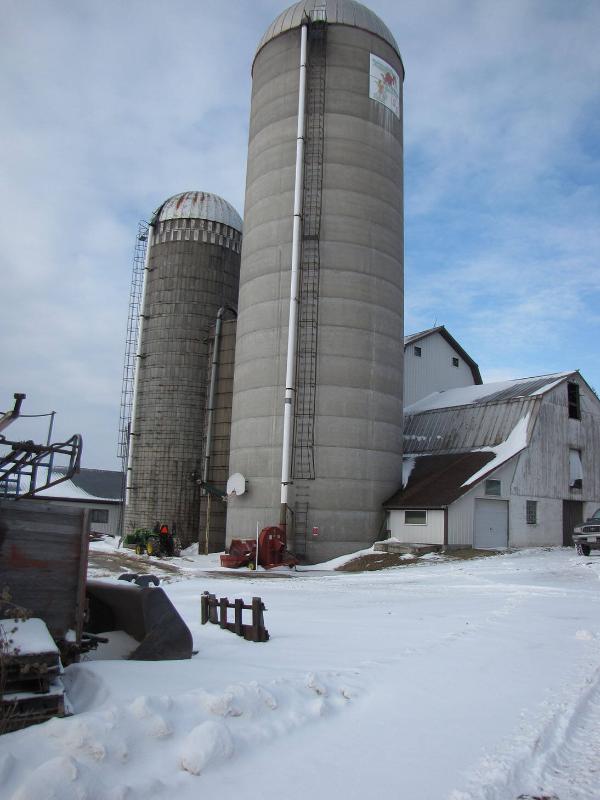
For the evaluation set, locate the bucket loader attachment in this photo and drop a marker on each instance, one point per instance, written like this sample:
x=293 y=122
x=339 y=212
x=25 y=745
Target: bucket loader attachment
x=145 y=613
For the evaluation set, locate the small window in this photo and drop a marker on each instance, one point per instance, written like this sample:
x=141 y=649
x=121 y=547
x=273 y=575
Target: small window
x=493 y=487
x=417 y=352
x=573 y=399
x=415 y=516
x=575 y=470
x=455 y=362
x=531 y=512
x=99 y=515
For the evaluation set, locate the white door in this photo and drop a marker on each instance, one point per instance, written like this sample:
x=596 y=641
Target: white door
x=491 y=524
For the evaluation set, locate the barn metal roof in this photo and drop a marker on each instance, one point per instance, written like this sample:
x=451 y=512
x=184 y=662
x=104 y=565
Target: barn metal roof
x=436 y=481
x=198 y=205
x=496 y=392
x=472 y=417
x=101 y=484
x=465 y=427
x=340 y=12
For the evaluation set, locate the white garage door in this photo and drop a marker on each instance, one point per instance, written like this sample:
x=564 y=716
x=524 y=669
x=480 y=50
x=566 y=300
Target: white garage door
x=491 y=524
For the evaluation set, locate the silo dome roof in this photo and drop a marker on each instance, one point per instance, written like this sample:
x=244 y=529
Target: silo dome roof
x=198 y=205
x=340 y=12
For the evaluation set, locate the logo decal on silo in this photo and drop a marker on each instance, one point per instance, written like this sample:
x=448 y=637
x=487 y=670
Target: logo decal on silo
x=384 y=85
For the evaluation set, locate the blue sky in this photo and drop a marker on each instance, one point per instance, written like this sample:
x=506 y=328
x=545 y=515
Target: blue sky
x=109 y=108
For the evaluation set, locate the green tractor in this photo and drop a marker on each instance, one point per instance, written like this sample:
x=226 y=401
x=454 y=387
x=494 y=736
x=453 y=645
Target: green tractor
x=158 y=541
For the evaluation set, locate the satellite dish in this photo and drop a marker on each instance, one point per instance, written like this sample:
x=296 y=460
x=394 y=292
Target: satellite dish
x=236 y=485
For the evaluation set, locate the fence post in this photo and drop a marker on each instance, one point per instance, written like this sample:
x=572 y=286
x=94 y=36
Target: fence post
x=259 y=633
x=213 y=614
x=223 y=603
x=238 y=627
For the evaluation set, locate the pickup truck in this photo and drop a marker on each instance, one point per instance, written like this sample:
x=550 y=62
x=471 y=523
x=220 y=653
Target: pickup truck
x=586 y=537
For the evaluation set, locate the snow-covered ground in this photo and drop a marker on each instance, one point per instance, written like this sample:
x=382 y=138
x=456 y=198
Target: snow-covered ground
x=465 y=680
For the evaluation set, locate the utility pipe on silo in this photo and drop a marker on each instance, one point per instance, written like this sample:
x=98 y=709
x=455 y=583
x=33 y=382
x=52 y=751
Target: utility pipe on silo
x=214 y=365
x=214 y=368
x=290 y=377
x=138 y=358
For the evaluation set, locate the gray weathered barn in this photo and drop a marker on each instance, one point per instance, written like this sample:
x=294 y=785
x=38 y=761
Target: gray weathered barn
x=501 y=464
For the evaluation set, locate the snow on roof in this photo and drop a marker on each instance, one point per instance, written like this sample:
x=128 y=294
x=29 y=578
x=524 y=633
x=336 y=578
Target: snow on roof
x=105 y=483
x=488 y=393
x=435 y=480
x=69 y=490
x=516 y=442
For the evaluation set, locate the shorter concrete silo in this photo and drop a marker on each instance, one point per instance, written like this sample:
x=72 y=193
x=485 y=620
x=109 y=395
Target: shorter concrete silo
x=192 y=270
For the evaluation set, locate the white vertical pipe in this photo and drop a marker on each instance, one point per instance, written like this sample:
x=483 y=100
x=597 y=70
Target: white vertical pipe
x=256 y=558
x=290 y=377
x=138 y=357
x=211 y=393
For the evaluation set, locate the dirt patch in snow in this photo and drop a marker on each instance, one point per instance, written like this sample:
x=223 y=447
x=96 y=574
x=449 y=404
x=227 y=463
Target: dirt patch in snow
x=376 y=561
x=121 y=561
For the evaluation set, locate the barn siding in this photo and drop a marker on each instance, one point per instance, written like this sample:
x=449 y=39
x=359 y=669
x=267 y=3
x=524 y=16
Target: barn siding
x=547 y=530
x=110 y=528
x=543 y=470
x=461 y=514
x=432 y=533
x=433 y=371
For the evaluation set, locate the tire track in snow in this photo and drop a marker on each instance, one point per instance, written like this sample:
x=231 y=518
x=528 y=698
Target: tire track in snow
x=558 y=759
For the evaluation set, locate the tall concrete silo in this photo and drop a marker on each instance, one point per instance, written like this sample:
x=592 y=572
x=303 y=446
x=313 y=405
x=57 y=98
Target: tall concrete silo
x=192 y=270
x=323 y=224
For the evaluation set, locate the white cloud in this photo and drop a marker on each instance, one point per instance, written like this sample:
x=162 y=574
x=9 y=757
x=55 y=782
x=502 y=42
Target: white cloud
x=109 y=108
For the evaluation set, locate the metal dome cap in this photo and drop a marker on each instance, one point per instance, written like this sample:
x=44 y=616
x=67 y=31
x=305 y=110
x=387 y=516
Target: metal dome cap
x=339 y=12
x=198 y=205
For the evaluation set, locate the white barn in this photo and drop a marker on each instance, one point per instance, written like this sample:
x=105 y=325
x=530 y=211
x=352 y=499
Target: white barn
x=510 y=464
x=434 y=361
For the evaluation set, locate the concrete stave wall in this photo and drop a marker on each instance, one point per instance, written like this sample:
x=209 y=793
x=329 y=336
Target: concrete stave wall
x=358 y=424
x=193 y=270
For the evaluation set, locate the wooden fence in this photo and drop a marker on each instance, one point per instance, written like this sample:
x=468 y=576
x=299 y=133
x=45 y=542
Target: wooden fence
x=215 y=611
